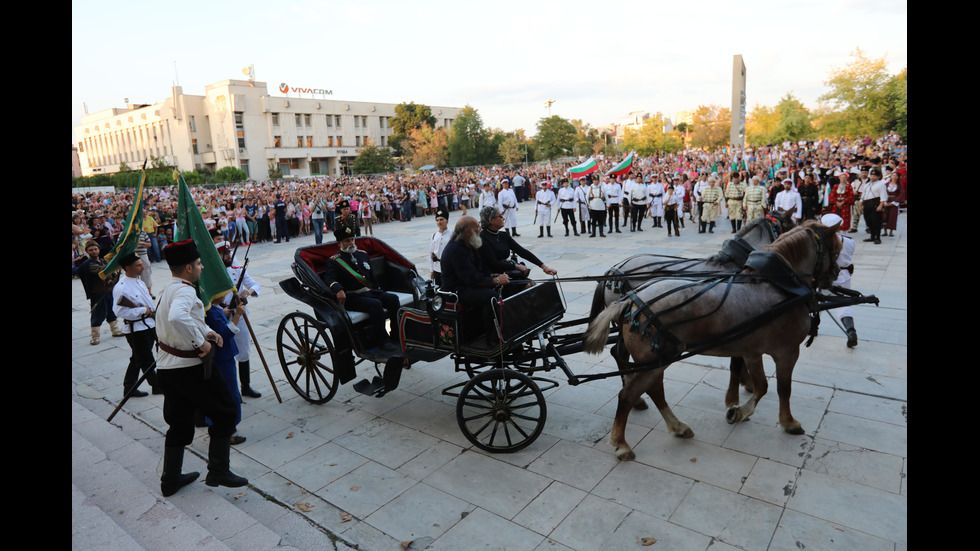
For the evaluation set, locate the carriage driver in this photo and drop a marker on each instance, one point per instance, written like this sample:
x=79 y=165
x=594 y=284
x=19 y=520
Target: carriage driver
x=349 y=276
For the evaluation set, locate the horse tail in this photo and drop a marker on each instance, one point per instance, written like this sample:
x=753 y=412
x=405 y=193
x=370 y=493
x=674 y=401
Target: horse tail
x=598 y=331
x=598 y=300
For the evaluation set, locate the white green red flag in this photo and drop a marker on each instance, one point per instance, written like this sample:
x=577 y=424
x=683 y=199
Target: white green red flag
x=580 y=170
x=623 y=167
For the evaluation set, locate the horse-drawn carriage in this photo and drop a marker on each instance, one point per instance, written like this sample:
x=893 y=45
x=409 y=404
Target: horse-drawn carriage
x=501 y=407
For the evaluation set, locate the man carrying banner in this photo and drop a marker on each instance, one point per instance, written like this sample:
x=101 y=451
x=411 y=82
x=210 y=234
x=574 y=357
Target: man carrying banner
x=186 y=377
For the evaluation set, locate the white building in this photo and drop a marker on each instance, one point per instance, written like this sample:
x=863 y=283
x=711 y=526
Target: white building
x=237 y=123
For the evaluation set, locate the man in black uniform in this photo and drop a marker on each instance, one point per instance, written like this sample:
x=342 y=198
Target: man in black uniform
x=348 y=275
x=346 y=218
x=281 y=229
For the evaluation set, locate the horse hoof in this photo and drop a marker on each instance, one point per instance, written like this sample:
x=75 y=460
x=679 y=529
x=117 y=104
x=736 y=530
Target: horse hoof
x=687 y=433
x=626 y=455
x=734 y=415
x=795 y=428
x=641 y=405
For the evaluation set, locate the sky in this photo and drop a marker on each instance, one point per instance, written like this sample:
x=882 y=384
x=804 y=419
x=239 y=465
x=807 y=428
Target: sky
x=598 y=61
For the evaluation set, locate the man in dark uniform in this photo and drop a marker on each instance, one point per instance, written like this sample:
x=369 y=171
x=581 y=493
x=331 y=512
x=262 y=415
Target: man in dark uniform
x=346 y=218
x=348 y=275
x=464 y=274
x=281 y=229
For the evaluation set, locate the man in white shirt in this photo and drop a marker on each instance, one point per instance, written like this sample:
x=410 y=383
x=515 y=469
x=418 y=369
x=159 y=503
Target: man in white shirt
x=132 y=303
x=186 y=379
x=789 y=200
x=545 y=199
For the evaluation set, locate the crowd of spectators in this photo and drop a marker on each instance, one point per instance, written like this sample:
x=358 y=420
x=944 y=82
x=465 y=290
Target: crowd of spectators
x=244 y=212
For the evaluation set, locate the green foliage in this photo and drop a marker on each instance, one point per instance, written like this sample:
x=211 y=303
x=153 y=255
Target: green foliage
x=898 y=103
x=469 y=142
x=760 y=125
x=275 y=173
x=123 y=167
x=556 y=138
x=859 y=91
x=229 y=174
x=512 y=148
x=794 y=121
x=651 y=138
x=408 y=116
x=374 y=160
x=193 y=178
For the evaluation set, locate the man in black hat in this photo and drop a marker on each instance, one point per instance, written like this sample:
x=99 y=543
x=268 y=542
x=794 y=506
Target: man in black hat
x=132 y=303
x=348 y=275
x=346 y=218
x=188 y=384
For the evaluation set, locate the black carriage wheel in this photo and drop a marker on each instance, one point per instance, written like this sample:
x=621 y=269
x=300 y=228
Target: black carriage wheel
x=306 y=355
x=524 y=359
x=501 y=411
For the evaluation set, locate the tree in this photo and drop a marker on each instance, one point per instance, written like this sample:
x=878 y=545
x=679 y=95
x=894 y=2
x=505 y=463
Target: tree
x=859 y=90
x=468 y=140
x=427 y=146
x=229 y=174
x=512 y=148
x=762 y=122
x=712 y=125
x=651 y=138
x=374 y=160
x=408 y=116
x=898 y=104
x=794 y=121
x=275 y=172
x=556 y=138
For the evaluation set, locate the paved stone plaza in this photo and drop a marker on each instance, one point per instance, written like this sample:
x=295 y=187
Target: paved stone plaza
x=370 y=473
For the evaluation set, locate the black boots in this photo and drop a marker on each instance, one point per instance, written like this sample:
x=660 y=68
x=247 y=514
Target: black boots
x=549 y=231
x=541 y=232
x=852 y=335
x=711 y=227
x=172 y=479
x=219 y=471
x=245 y=376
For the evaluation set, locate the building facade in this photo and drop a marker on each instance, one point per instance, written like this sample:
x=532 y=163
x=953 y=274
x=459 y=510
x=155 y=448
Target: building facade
x=237 y=123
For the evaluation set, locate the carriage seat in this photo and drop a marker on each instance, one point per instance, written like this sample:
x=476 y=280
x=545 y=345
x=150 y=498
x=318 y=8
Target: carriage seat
x=380 y=271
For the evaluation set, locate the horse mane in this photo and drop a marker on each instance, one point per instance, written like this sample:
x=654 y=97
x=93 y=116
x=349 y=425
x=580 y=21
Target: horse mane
x=792 y=246
x=755 y=225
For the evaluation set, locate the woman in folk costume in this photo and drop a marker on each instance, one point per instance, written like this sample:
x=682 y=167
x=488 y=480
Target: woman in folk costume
x=841 y=199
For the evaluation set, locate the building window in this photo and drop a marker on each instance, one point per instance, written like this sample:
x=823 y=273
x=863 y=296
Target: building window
x=244 y=165
x=275 y=119
x=337 y=120
x=357 y=122
x=364 y=121
x=340 y=142
x=194 y=145
x=309 y=141
x=357 y=141
x=277 y=141
x=329 y=121
x=299 y=120
x=329 y=141
x=192 y=124
x=284 y=167
x=306 y=119
x=240 y=128
x=299 y=141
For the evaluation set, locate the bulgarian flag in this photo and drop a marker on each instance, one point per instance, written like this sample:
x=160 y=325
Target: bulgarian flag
x=132 y=227
x=214 y=282
x=623 y=167
x=579 y=171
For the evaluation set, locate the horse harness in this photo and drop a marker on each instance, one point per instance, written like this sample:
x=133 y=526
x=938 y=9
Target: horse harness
x=768 y=267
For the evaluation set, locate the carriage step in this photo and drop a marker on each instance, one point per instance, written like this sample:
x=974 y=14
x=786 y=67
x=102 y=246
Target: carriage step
x=375 y=387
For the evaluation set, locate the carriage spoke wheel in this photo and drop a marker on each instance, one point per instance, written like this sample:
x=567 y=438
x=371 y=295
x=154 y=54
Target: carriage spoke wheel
x=306 y=355
x=501 y=411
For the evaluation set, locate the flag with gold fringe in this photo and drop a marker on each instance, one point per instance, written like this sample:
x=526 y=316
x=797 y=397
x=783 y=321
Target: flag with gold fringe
x=214 y=282
x=130 y=237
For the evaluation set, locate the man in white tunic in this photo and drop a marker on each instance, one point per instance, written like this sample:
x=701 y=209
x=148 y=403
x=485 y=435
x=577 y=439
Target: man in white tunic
x=545 y=199
x=186 y=377
x=508 y=207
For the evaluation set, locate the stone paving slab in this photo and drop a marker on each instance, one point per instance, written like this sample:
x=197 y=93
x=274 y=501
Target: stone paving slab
x=403 y=471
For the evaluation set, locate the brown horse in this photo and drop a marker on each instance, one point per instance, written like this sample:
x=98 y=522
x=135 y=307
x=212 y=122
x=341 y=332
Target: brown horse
x=751 y=315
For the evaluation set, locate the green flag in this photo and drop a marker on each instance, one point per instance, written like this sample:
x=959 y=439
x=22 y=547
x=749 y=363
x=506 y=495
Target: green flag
x=130 y=237
x=214 y=282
